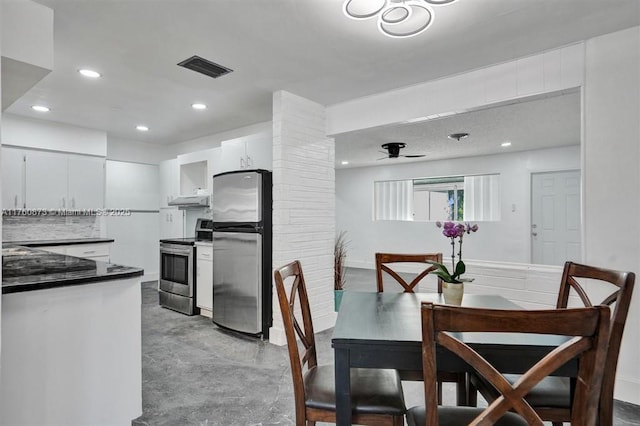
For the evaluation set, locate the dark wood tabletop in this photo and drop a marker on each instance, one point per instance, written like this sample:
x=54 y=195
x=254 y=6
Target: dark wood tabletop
x=383 y=330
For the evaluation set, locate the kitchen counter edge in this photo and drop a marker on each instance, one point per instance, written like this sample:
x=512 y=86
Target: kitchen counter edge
x=65 y=242
x=102 y=272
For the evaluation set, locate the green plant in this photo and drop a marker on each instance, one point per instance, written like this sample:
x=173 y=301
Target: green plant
x=339 y=255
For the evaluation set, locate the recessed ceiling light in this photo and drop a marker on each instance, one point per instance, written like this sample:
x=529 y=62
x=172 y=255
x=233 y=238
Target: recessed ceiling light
x=198 y=106
x=458 y=136
x=142 y=128
x=344 y=163
x=89 y=73
x=505 y=144
x=40 y=108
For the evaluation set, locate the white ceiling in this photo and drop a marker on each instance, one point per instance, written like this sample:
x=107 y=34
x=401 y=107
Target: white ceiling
x=307 y=47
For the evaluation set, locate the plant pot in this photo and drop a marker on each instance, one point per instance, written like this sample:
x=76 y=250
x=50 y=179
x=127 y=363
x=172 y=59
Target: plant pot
x=337 y=298
x=453 y=293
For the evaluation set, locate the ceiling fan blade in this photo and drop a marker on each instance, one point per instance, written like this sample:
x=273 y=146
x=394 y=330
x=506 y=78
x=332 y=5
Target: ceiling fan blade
x=414 y=156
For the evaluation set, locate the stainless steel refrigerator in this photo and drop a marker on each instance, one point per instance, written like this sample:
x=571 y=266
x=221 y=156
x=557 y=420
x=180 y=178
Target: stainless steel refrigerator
x=241 y=207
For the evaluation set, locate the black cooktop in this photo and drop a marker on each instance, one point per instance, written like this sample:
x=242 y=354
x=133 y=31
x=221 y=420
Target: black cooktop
x=181 y=241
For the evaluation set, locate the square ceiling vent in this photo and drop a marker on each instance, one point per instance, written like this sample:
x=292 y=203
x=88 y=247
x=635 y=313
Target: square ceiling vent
x=203 y=66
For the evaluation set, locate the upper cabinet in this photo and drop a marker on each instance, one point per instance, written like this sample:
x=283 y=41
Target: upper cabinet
x=86 y=182
x=12 y=178
x=47 y=180
x=250 y=152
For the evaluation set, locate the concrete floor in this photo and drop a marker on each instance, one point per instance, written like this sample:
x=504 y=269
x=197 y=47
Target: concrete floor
x=194 y=373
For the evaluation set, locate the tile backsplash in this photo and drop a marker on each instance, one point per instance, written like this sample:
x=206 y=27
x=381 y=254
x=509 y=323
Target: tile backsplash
x=29 y=228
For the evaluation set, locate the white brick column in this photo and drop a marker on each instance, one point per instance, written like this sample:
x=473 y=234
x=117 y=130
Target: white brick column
x=303 y=203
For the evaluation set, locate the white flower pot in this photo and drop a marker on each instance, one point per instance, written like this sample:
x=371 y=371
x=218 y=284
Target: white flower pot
x=453 y=293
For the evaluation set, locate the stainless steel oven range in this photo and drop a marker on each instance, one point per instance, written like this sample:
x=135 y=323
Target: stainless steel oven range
x=177 y=284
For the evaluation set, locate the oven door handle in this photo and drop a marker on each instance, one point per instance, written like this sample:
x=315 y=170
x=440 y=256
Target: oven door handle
x=176 y=250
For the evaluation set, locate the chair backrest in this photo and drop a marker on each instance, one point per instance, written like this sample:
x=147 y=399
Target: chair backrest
x=620 y=285
x=293 y=329
x=587 y=328
x=384 y=259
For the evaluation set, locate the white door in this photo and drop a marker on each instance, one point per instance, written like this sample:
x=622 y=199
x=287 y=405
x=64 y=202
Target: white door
x=555 y=217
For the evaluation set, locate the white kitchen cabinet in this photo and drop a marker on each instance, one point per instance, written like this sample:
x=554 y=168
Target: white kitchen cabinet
x=86 y=182
x=55 y=181
x=94 y=251
x=233 y=155
x=46 y=179
x=204 y=279
x=250 y=152
x=172 y=222
x=259 y=149
x=169 y=181
x=12 y=178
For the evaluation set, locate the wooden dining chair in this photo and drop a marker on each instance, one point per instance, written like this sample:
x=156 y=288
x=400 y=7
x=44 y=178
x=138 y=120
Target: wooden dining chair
x=385 y=262
x=587 y=331
x=376 y=395
x=552 y=397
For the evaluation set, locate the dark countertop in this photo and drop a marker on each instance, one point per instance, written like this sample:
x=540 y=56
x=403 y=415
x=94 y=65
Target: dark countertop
x=27 y=269
x=68 y=242
x=182 y=241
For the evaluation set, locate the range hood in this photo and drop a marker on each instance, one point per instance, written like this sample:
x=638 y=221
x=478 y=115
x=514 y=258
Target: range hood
x=186 y=201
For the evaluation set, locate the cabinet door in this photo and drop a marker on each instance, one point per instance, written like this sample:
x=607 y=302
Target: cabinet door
x=259 y=153
x=86 y=182
x=12 y=178
x=46 y=180
x=172 y=222
x=169 y=181
x=233 y=155
x=204 y=279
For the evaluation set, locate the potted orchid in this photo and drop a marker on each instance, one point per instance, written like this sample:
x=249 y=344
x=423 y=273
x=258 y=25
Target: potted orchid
x=453 y=287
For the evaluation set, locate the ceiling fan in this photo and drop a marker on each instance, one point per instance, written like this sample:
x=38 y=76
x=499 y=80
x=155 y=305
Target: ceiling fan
x=393 y=150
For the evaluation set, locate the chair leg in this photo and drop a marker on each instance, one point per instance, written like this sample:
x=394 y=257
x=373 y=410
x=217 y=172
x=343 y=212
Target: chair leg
x=398 y=421
x=472 y=393
x=439 y=387
x=461 y=390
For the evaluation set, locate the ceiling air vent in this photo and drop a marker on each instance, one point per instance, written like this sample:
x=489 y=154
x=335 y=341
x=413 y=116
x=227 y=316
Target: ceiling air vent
x=201 y=65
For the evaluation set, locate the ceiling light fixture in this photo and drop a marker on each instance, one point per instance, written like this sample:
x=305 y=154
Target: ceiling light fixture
x=505 y=144
x=89 y=73
x=344 y=163
x=396 y=18
x=40 y=108
x=458 y=136
x=198 y=106
x=142 y=128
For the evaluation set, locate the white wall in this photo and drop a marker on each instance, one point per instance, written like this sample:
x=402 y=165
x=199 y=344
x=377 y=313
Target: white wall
x=546 y=72
x=41 y=134
x=507 y=240
x=612 y=177
x=303 y=203
x=214 y=140
x=136 y=151
x=27 y=33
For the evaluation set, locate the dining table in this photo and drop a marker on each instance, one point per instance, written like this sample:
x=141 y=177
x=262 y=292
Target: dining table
x=384 y=330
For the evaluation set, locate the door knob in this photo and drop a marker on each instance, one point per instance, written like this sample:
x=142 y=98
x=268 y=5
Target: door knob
x=535 y=234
